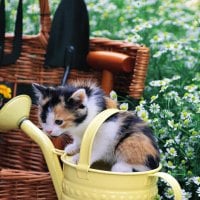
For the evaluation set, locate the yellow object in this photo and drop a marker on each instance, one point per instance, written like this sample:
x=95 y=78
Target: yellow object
x=5 y=91
x=14 y=114
x=80 y=181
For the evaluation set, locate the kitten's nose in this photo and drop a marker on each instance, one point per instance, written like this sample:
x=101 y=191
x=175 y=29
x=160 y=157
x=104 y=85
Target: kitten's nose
x=49 y=132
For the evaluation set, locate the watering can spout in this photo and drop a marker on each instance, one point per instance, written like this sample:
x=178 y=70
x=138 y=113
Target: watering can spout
x=13 y=112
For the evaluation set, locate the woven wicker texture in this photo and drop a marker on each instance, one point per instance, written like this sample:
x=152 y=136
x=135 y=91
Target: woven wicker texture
x=23 y=171
x=21 y=184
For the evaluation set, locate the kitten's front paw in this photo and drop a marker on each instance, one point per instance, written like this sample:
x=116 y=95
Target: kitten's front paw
x=71 y=149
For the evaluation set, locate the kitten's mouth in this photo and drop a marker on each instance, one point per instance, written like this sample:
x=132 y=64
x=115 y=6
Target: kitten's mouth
x=51 y=134
x=67 y=136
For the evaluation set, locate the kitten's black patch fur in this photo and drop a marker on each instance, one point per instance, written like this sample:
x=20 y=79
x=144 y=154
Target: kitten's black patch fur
x=152 y=162
x=80 y=119
x=43 y=114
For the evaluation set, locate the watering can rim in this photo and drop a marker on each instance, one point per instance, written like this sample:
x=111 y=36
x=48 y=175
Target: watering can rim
x=66 y=160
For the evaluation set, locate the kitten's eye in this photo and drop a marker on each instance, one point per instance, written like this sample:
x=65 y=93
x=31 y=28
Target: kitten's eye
x=58 y=122
x=81 y=106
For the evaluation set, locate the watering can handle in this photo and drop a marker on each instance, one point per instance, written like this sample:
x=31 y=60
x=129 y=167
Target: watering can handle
x=172 y=182
x=88 y=138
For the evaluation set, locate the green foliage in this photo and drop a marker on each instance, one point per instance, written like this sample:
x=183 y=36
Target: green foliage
x=171 y=102
x=170 y=28
x=31 y=15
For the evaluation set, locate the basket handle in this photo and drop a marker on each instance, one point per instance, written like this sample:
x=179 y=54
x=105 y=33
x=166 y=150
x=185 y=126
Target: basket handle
x=87 y=141
x=45 y=18
x=172 y=182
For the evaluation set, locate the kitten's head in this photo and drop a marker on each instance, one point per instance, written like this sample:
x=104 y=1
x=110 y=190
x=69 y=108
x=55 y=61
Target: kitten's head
x=60 y=108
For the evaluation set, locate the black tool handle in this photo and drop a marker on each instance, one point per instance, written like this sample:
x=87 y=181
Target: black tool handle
x=69 y=60
x=2 y=28
x=6 y=59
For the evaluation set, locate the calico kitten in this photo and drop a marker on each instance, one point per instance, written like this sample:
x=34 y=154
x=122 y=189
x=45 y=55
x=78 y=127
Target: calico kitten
x=123 y=140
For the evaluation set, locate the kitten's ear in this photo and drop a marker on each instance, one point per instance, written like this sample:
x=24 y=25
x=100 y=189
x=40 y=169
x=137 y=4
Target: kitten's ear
x=79 y=97
x=40 y=91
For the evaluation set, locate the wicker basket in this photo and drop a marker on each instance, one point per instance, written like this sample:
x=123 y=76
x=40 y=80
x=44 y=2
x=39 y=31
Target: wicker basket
x=23 y=171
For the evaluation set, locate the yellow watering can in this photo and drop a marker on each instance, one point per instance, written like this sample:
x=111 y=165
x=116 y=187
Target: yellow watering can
x=76 y=182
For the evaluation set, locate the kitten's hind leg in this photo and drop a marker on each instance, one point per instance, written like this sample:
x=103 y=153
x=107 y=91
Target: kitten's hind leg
x=122 y=167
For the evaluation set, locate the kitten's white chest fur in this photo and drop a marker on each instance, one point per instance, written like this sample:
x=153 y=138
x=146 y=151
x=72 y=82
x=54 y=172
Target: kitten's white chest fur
x=104 y=142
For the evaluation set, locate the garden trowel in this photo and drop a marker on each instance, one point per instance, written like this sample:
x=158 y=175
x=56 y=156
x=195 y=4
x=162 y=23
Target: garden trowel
x=68 y=44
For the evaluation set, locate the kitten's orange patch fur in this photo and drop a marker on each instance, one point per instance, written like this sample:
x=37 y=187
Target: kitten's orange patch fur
x=64 y=114
x=110 y=103
x=136 y=148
